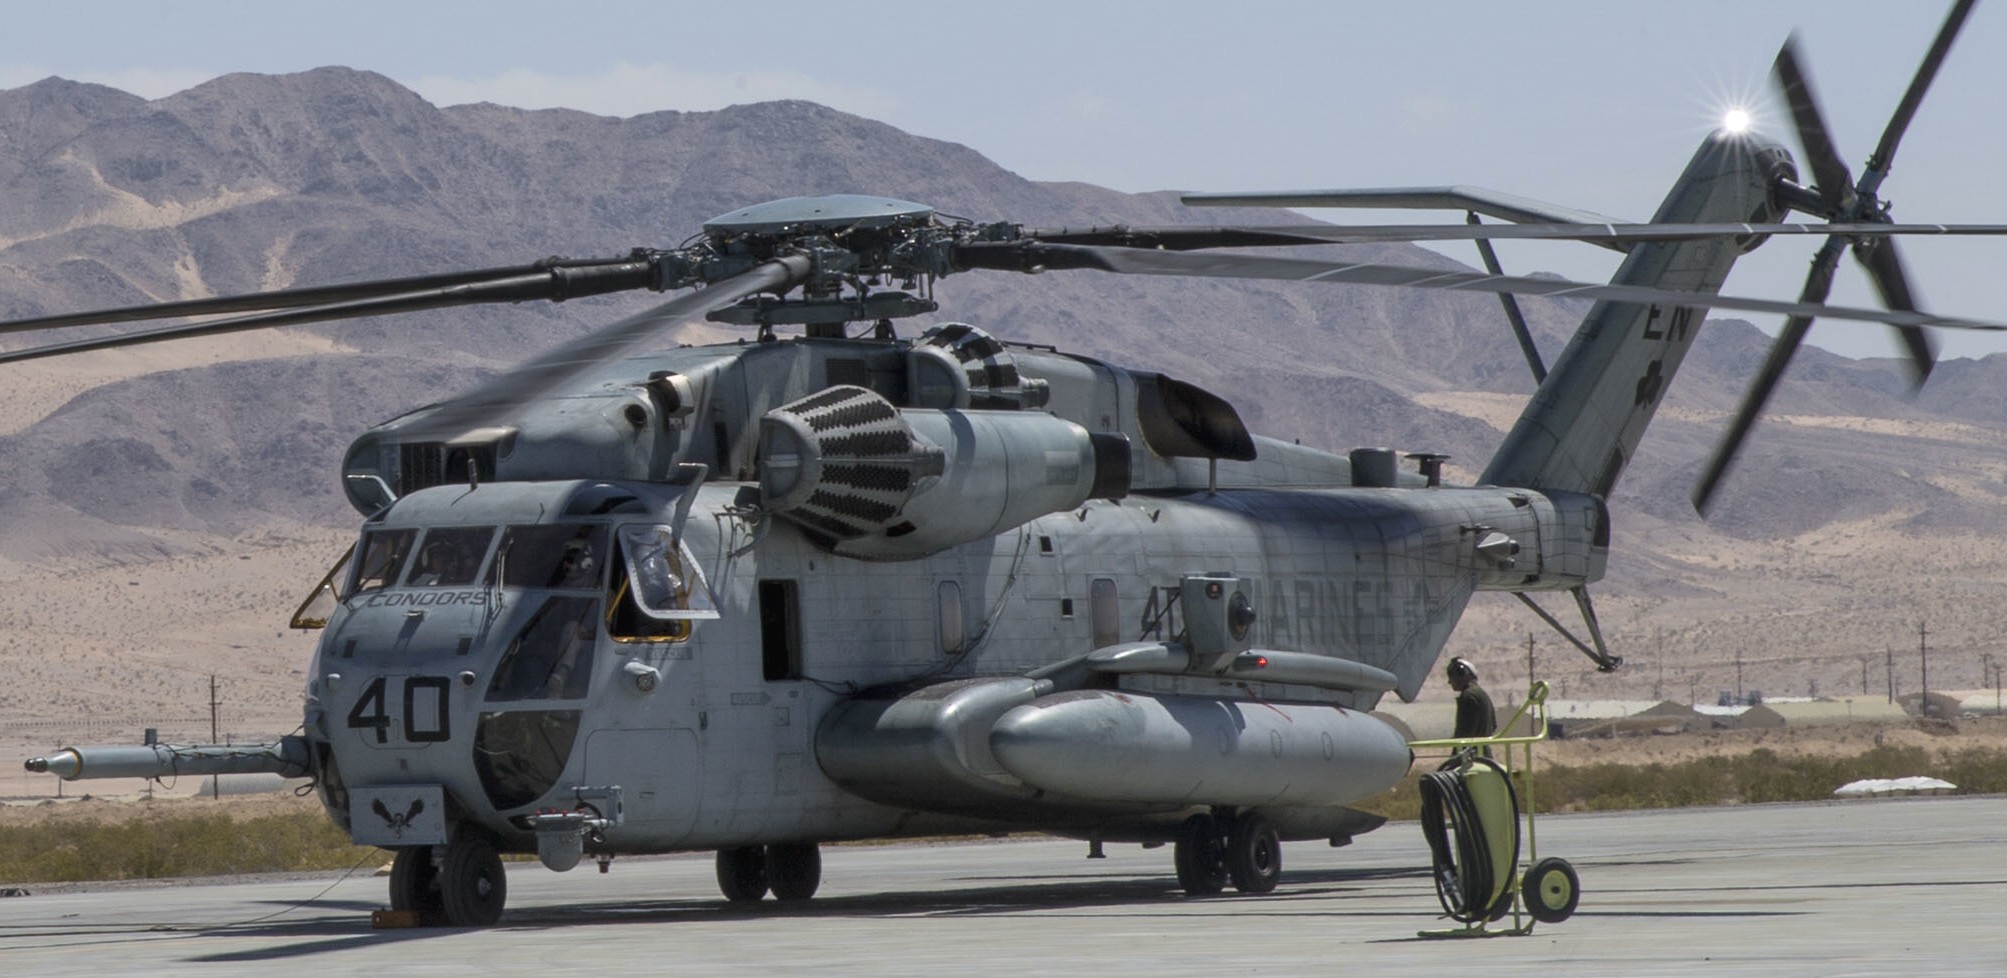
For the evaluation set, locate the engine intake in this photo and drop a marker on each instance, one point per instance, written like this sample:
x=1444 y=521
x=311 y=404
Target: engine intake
x=873 y=481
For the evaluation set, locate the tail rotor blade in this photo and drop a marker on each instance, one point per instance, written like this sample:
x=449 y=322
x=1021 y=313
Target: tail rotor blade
x=1835 y=186
x=1884 y=266
x=1746 y=413
x=1878 y=164
x=1818 y=283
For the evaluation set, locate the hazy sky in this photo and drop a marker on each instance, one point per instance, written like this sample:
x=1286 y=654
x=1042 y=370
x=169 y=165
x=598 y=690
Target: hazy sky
x=1592 y=104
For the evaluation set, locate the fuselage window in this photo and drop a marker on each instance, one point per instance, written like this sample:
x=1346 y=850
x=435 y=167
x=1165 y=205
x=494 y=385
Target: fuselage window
x=1105 y=613
x=656 y=587
x=450 y=556
x=780 y=630
x=383 y=556
x=953 y=632
x=560 y=555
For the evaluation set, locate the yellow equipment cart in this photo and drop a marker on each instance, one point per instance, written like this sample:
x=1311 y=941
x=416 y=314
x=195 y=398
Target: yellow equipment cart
x=1470 y=816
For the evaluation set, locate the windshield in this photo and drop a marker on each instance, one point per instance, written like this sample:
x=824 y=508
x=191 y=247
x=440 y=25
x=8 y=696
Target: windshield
x=383 y=557
x=560 y=555
x=450 y=556
x=551 y=657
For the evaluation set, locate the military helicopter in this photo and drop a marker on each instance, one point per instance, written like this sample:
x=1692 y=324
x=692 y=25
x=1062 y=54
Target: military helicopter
x=760 y=596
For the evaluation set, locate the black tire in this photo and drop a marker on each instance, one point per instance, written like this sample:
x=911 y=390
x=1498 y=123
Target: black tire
x=742 y=873
x=794 y=870
x=1551 y=890
x=472 y=884
x=1253 y=854
x=1200 y=855
x=414 y=885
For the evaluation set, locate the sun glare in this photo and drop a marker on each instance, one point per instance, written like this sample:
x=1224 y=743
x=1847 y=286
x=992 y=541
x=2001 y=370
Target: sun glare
x=1736 y=120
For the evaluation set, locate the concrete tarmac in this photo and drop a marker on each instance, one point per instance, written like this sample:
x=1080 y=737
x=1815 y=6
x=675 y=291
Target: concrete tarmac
x=1891 y=887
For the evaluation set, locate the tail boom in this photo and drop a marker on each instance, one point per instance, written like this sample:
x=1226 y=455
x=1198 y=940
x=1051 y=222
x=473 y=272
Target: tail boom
x=1585 y=421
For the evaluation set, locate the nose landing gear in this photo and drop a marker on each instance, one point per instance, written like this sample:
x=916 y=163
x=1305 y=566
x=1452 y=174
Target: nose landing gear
x=460 y=884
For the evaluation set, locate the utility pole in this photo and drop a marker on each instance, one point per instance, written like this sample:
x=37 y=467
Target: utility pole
x=1864 y=675
x=1530 y=679
x=1658 y=688
x=215 y=788
x=1738 y=675
x=1889 y=653
x=1923 y=658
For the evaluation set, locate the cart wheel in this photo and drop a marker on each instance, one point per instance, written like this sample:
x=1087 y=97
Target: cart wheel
x=1551 y=890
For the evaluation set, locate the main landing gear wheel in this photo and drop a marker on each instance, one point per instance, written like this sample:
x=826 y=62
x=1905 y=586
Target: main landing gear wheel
x=742 y=873
x=794 y=869
x=472 y=885
x=1200 y=855
x=1253 y=854
x=1551 y=890
x=414 y=885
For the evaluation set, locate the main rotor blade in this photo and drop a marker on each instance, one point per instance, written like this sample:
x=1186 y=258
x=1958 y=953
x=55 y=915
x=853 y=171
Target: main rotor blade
x=550 y=282
x=1836 y=187
x=532 y=380
x=1818 y=283
x=1034 y=257
x=285 y=298
x=1194 y=238
x=1884 y=155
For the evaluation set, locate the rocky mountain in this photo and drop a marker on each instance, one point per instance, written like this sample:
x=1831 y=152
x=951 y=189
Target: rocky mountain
x=252 y=182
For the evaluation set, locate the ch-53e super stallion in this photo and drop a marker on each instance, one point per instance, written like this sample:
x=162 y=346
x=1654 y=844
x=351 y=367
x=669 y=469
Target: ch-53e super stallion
x=760 y=596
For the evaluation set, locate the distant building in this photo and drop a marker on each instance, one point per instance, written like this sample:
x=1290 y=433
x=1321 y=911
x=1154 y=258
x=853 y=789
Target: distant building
x=1821 y=712
x=1979 y=702
x=1938 y=704
x=1611 y=718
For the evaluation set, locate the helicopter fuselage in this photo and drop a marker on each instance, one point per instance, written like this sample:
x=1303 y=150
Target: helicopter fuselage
x=519 y=686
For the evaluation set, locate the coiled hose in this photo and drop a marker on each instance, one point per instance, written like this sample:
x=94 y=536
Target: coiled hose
x=1466 y=875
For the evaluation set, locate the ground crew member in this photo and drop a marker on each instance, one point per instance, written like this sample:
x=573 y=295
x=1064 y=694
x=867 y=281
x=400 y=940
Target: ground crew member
x=1474 y=714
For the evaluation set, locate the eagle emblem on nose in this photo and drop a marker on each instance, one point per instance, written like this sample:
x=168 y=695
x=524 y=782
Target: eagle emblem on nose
x=397 y=821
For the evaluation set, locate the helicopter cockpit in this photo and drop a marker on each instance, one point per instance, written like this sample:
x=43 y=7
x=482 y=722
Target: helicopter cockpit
x=490 y=618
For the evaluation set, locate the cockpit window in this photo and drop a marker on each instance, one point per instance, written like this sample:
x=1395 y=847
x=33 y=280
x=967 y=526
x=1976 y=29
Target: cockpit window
x=666 y=581
x=561 y=555
x=450 y=556
x=551 y=658
x=657 y=589
x=383 y=556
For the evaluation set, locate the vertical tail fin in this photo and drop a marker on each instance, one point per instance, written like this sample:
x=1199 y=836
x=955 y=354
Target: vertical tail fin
x=1586 y=419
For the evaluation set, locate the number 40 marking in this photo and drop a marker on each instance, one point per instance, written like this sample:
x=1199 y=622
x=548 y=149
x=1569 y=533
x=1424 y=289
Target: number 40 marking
x=372 y=712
